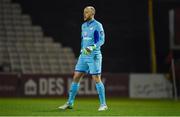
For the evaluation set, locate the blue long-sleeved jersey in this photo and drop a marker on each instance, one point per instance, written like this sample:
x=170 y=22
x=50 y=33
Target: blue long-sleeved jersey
x=92 y=33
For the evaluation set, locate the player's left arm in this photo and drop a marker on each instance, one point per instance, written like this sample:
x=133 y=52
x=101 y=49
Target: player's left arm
x=99 y=36
x=99 y=39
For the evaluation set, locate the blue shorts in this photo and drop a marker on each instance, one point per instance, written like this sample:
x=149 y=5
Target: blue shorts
x=91 y=64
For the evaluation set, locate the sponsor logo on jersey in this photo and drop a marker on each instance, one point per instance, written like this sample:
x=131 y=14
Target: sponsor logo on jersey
x=87 y=38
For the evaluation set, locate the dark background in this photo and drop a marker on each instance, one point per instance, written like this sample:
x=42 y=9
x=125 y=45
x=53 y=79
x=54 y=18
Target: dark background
x=125 y=23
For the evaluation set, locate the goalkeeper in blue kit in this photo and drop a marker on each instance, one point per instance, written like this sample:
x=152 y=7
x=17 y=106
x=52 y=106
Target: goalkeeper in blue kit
x=90 y=59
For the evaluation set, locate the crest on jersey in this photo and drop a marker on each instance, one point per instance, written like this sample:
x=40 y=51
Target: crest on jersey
x=91 y=28
x=85 y=34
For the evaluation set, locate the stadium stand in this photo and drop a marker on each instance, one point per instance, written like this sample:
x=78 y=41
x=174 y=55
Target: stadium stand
x=25 y=49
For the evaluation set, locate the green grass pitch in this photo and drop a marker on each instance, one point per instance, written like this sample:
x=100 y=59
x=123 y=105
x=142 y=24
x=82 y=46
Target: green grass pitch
x=88 y=107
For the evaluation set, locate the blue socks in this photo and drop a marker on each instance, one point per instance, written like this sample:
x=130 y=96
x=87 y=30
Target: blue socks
x=72 y=93
x=74 y=89
x=101 y=91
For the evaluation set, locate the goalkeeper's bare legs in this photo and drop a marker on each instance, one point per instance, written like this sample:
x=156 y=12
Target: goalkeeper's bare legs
x=78 y=76
x=101 y=92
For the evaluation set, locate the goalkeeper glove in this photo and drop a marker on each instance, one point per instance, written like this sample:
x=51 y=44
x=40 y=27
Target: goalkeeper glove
x=89 y=49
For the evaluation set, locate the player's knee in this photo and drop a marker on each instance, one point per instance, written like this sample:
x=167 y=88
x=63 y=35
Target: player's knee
x=96 y=78
x=76 y=79
x=77 y=76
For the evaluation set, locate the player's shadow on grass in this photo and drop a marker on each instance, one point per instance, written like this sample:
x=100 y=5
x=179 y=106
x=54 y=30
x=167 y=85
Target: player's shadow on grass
x=55 y=110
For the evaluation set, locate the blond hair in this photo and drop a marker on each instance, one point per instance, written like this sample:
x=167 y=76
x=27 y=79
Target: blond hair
x=92 y=9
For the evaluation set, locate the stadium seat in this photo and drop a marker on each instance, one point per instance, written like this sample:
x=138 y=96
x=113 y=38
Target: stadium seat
x=24 y=46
